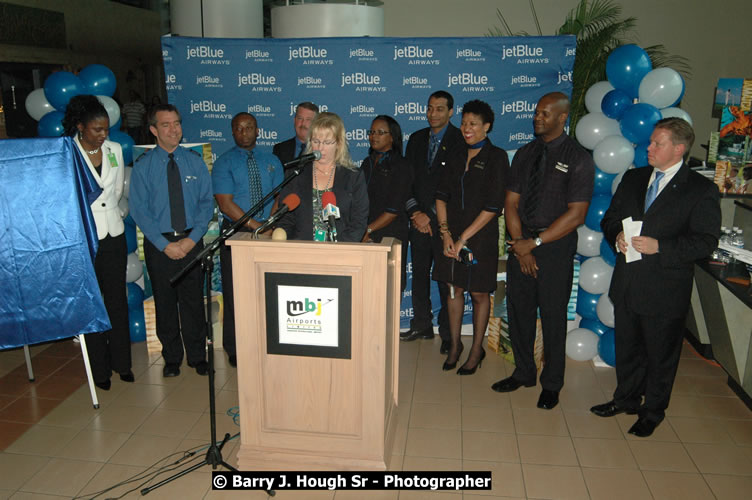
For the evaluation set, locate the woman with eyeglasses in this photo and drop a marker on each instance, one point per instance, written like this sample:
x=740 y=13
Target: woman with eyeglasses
x=333 y=173
x=469 y=200
x=389 y=179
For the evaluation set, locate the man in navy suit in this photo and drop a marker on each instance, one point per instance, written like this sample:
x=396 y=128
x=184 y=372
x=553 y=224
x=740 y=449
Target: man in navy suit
x=290 y=149
x=681 y=219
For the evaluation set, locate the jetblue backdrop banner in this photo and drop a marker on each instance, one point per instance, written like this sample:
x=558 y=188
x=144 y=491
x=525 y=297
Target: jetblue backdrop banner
x=212 y=79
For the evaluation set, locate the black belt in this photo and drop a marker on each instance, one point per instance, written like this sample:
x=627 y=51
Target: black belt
x=178 y=233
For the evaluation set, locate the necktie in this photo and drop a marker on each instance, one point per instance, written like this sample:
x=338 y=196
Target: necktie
x=254 y=180
x=175 y=188
x=433 y=150
x=302 y=148
x=534 y=182
x=653 y=190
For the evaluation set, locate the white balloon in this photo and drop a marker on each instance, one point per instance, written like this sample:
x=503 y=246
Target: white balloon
x=127 y=181
x=618 y=179
x=113 y=110
x=605 y=311
x=614 y=154
x=661 y=87
x=582 y=344
x=594 y=127
x=676 y=112
x=595 y=275
x=595 y=94
x=588 y=241
x=37 y=104
x=134 y=268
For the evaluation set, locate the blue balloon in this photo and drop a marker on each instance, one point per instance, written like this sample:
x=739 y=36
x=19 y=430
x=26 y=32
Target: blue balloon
x=128 y=221
x=137 y=324
x=147 y=284
x=60 y=87
x=117 y=125
x=615 y=103
x=598 y=206
x=607 y=254
x=625 y=68
x=607 y=347
x=641 y=155
x=603 y=182
x=51 y=124
x=681 y=96
x=135 y=296
x=98 y=80
x=131 y=239
x=594 y=326
x=638 y=121
x=126 y=142
x=587 y=304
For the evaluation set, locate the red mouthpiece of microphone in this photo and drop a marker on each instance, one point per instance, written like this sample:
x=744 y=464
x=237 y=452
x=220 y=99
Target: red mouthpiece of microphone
x=328 y=198
x=292 y=201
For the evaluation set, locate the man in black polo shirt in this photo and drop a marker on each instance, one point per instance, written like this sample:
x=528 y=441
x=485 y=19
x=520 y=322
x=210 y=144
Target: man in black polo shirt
x=548 y=195
x=427 y=151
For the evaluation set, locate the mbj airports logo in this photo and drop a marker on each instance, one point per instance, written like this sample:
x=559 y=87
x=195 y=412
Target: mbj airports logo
x=414 y=111
x=470 y=55
x=469 y=82
x=363 y=82
x=210 y=109
x=311 y=82
x=259 y=82
x=363 y=55
x=415 y=55
x=294 y=107
x=524 y=54
x=209 y=81
x=416 y=82
x=171 y=82
x=309 y=55
x=206 y=54
x=259 y=110
x=308 y=315
x=258 y=55
x=520 y=109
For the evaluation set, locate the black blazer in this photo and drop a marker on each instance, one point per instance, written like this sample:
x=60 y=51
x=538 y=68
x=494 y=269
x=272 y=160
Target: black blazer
x=285 y=150
x=426 y=178
x=686 y=221
x=352 y=199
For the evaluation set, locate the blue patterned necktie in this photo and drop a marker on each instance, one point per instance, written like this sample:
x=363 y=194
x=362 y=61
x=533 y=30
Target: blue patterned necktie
x=433 y=150
x=254 y=180
x=653 y=190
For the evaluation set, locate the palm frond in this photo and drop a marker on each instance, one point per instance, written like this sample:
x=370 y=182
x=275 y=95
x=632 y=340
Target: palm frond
x=662 y=59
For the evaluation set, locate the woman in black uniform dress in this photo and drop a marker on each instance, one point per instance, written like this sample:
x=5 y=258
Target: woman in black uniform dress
x=389 y=179
x=469 y=199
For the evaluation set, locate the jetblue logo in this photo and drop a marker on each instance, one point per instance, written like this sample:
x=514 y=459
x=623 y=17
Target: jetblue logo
x=363 y=109
x=416 y=82
x=257 y=54
x=517 y=107
x=470 y=55
x=259 y=108
x=293 y=108
x=525 y=81
x=564 y=77
x=363 y=82
x=525 y=54
x=521 y=137
x=416 y=110
x=206 y=80
x=466 y=79
x=311 y=82
x=267 y=134
x=309 y=54
x=362 y=54
x=171 y=82
x=207 y=106
x=417 y=54
x=571 y=52
x=212 y=134
x=204 y=51
x=359 y=134
x=255 y=79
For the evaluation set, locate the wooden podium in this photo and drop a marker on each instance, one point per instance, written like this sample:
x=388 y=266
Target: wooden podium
x=313 y=394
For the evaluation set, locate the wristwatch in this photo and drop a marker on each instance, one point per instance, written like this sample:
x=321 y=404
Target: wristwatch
x=538 y=241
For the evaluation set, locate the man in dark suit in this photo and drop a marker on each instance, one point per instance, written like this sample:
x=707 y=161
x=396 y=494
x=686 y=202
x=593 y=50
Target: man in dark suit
x=427 y=151
x=681 y=219
x=290 y=149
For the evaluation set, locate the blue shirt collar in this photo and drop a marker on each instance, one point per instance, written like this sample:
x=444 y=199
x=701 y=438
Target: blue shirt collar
x=440 y=134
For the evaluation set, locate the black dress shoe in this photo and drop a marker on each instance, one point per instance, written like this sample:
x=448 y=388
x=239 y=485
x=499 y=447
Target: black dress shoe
x=202 y=368
x=464 y=370
x=233 y=360
x=127 y=376
x=509 y=384
x=643 y=427
x=171 y=370
x=445 y=346
x=105 y=386
x=610 y=409
x=451 y=366
x=548 y=399
x=413 y=334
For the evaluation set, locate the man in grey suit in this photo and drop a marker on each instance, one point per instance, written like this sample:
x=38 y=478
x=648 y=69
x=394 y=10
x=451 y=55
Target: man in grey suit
x=681 y=219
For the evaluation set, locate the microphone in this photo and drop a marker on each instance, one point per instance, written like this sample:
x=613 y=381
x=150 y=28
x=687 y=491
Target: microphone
x=289 y=204
x=330 y=212
x=313 y=155
x=279 y=234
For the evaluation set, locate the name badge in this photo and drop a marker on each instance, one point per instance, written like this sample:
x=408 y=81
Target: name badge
x=112 y=159
x=320 y=235
x=480 y=165
x=562 y=167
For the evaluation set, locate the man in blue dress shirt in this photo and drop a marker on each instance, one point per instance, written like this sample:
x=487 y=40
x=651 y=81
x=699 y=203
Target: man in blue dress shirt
x=241 y=178
x=171 y=201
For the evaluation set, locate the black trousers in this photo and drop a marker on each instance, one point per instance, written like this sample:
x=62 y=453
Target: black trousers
x=180 y=309
x=228 y=321
x=422 y=249
x=648 y=349
x=551 y=292
x=111 y=350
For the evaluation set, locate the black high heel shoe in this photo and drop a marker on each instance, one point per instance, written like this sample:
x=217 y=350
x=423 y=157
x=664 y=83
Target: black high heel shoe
x=451 y=366
x=470 y=371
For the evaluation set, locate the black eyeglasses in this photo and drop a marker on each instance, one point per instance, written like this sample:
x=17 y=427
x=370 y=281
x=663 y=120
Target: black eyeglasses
x=378 y=132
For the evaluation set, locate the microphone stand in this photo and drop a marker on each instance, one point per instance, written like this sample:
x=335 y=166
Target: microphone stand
x=205 y=257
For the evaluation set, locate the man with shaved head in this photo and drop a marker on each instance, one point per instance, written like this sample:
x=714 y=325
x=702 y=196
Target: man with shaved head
x=548 y=194
x=241 y=178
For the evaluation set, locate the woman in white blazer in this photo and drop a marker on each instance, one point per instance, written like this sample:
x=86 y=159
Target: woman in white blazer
x=87 y=122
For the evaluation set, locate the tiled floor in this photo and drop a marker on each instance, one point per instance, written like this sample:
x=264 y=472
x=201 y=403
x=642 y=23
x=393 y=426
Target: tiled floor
x=55 y=445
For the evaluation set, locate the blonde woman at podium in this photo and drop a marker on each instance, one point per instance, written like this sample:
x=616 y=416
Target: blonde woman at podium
x=332 y=184
x=87 y=122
